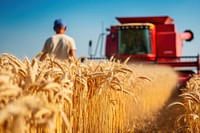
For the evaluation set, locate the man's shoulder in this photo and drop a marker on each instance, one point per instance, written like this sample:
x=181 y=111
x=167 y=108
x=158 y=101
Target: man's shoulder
x=48 y=39
x=67 y=37
x=60 y=37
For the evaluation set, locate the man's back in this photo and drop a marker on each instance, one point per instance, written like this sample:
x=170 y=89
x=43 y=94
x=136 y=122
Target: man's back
x=59 y=46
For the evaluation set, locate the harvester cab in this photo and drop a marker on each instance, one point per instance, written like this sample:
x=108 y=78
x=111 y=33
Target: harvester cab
x=149 y=39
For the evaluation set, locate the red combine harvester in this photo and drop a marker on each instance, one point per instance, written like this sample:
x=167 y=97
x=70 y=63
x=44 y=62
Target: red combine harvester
x=149 y=39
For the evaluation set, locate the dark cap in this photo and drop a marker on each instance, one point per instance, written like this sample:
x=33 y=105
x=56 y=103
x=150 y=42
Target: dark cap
x=59 y=22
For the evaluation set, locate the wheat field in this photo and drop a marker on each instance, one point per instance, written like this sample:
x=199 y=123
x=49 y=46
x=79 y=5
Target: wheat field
x=70 y=96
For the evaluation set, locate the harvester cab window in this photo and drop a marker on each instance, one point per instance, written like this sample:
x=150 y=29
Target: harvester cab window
x=134 y=40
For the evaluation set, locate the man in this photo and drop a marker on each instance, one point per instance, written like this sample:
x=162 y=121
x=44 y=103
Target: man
x=60 y=45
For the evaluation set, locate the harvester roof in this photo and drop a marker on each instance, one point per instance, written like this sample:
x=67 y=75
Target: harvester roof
x=152 y=19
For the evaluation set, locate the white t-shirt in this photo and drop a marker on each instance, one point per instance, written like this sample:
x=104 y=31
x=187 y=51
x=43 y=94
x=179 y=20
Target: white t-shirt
x=59 y=45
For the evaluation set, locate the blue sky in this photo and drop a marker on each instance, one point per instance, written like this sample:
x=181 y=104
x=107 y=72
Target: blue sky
x=25 y=24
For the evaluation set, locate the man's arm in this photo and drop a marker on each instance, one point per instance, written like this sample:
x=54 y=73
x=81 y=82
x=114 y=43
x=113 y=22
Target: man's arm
x=73 y=53
x=45 y=50
x=43 y=56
